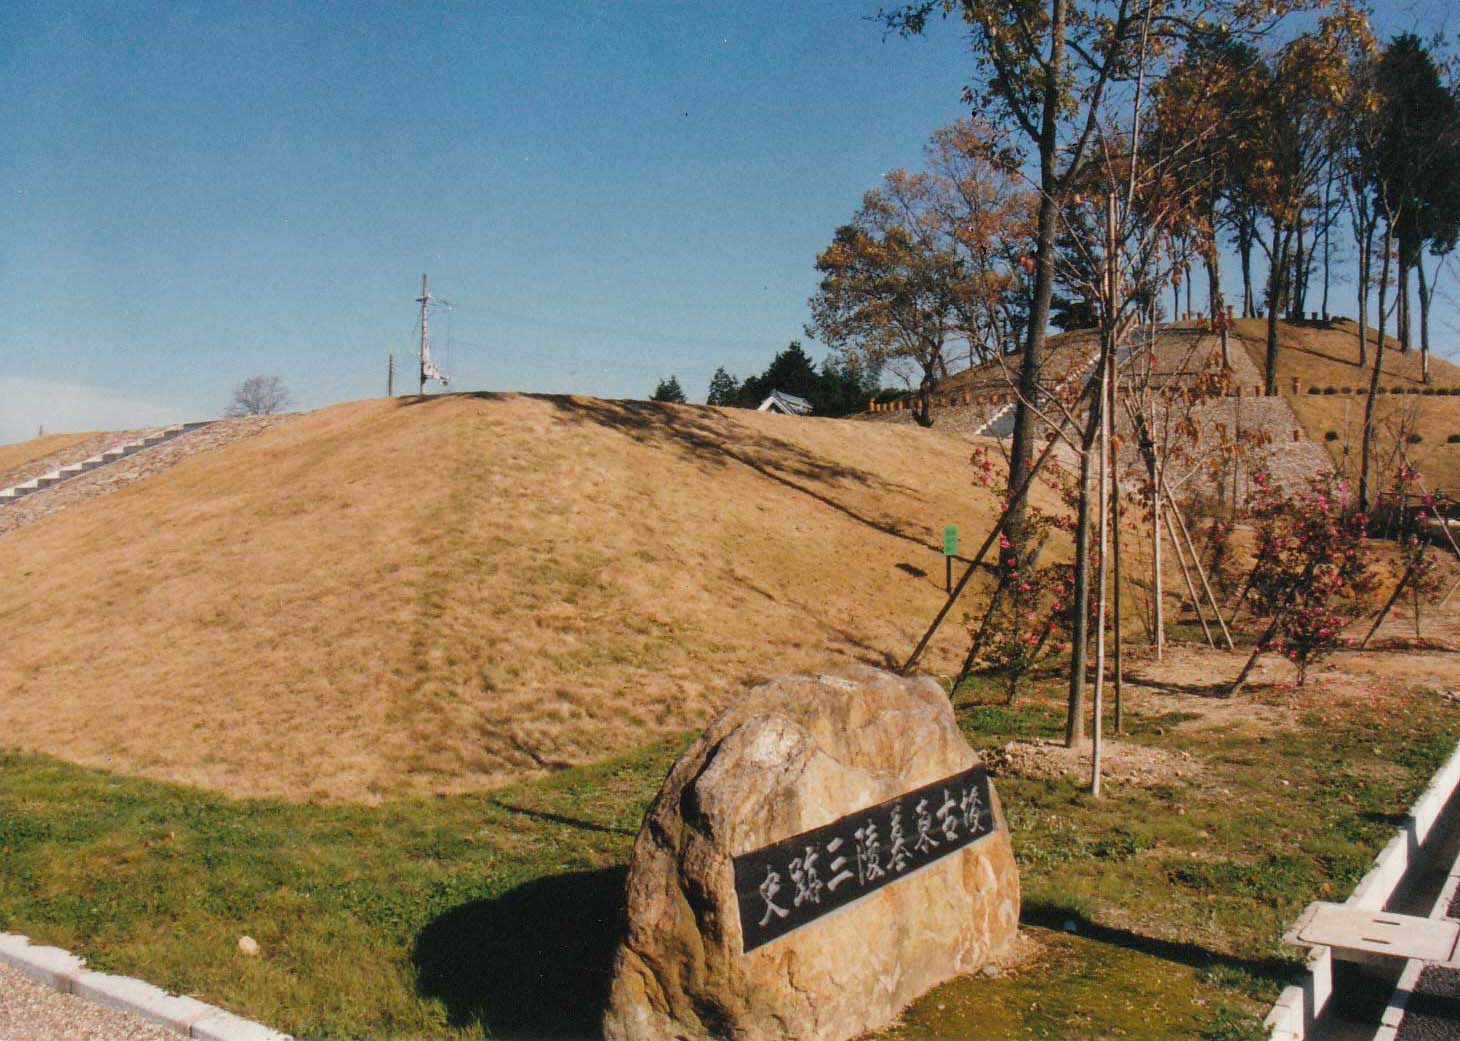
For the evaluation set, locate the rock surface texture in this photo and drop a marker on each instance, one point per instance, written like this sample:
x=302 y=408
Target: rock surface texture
x=793 y=755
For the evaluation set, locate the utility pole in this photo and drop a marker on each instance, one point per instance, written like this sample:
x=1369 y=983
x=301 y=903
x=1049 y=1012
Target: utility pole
x=424 y=300
x=390 y=378
x=428 y=368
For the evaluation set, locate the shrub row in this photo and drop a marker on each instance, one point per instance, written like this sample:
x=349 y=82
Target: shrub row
x=1426 y=391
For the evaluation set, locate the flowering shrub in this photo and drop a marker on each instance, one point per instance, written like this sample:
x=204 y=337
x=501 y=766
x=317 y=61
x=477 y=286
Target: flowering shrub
x=1312 y=569
x=1033 y=611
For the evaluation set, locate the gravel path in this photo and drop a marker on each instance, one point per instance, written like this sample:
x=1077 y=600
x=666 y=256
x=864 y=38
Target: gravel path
x=32 y=1012
x=1433 y=1012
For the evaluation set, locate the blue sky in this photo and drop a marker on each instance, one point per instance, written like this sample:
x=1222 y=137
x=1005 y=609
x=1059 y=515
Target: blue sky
x=608 y=193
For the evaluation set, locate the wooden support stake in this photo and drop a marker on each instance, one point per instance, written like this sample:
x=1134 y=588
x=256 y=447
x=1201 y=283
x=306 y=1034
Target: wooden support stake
x=1016 y=496
x=1200 y=571
x=1388 y=606
x=1190 y=585
x=1115 y=562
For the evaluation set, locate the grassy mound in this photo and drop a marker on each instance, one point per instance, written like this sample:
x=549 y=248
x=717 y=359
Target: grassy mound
x=390 y=597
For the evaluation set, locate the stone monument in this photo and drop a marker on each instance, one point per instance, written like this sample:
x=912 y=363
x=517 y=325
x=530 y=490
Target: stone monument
x=828 y=850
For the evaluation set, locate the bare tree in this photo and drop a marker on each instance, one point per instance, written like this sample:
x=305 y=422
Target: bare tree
x=258 y=396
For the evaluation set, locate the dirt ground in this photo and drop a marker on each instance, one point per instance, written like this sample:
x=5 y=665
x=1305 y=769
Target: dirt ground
x=1190 y=681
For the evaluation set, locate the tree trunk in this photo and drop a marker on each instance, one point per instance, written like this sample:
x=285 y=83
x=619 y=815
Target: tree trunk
x=1402 y=291
x=923 y=409
x=1277 y=270
x=1021 y=444
x=1328 y=218
x=1299 y=289
x=1366 y=267
x=1424 y=316
x=1215 y=307
x=1244 y=250
x=1367 y=442
x=1080 y=609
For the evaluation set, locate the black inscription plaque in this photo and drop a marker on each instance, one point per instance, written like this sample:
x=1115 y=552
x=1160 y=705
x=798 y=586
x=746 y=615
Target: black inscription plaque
x=784 y=886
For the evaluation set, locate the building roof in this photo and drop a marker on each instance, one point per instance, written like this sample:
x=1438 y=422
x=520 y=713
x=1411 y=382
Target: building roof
x=790 y=404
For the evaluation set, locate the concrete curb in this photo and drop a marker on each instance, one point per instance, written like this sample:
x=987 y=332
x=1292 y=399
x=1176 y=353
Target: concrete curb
x=1298 y=1007
x=187 y=1017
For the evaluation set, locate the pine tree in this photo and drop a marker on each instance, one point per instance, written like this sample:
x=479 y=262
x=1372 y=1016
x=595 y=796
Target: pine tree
x=669 y=390
x=724 y=388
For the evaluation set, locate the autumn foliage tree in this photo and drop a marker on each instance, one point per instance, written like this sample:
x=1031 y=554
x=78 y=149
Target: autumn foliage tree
x=928 y=264
x=1292 y=135
x=1049 y=69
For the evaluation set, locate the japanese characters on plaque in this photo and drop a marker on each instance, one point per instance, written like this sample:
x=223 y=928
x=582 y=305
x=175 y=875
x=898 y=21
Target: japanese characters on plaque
x=787 y=885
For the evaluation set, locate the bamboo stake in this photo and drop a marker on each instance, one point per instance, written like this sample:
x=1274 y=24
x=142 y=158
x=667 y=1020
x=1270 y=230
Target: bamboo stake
x=1101 y=586
x=1190 y=585
x=1115 y=557
x=1272 y=628
x=1388 y=605
x=1107 y=365
x=1200 y=571
x=1158 y=593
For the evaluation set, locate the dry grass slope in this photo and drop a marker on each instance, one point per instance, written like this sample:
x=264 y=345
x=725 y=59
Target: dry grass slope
x=390 y=597
x=1330 y=358
x=16 y=455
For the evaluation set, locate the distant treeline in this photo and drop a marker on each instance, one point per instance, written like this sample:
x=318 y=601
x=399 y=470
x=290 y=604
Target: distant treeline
x=842 y=385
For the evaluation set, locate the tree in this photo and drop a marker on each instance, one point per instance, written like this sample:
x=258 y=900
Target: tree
x=1415 y=190
x=888 y=288
x=1047 y=67
x=669 y=390
x=843 y=386
x=1294 y=133
x=724 y=388
x=983 y=214
x=258 y=396
x=791 y=371
x=1356 y=155
x=1203 y=106
x=931 y=261
x=1419 y=166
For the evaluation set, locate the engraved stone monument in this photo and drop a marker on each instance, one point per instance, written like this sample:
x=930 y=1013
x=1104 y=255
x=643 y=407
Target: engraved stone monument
x=825 y=853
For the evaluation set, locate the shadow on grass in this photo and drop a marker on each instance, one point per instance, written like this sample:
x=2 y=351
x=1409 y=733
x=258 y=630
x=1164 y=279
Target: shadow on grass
x=534 y=963
x=1219 y=690
x=715 y=439
x=558 y=818
x=1055 y=916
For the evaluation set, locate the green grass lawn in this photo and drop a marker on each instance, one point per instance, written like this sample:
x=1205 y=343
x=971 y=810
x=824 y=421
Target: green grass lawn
x=498 y=913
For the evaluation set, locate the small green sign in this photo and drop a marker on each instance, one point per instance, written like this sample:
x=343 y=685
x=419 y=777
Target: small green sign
x=950 y=541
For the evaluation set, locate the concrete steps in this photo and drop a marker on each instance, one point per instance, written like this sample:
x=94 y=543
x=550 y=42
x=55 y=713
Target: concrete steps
x=106 y=458
x=1001 y=423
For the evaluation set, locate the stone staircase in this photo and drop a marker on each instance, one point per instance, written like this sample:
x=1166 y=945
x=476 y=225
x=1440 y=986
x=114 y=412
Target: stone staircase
x=106 y=458
x=1001 y=423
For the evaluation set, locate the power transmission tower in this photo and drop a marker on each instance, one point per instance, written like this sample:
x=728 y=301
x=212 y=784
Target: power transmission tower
x=428 y=368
